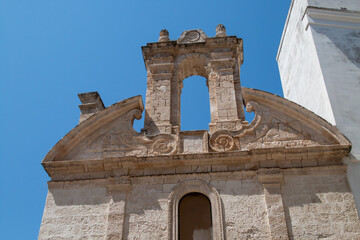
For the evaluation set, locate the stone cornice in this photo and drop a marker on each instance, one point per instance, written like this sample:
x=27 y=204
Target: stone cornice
x=247 y=160
x=332 y=18
x=344 y=18
x=216 y=42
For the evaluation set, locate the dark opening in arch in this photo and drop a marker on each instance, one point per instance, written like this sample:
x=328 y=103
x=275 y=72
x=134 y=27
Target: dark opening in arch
x=195 y=104
x=195 y=221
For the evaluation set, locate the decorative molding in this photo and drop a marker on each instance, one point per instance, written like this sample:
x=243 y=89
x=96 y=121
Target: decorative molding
x=192 y=36
x=164 y=144
x=197 y=186
x=107 y=145
x=332 y=18
x=277 y=123
x=342 y=16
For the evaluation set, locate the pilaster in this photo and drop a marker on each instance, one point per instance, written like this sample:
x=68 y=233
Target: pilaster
x=117 y=205
x=271 y=181
x=158 y=97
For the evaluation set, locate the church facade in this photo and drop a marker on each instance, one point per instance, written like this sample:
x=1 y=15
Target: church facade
x=280 y=176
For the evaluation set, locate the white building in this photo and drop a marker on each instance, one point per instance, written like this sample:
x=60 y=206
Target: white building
x=319 y=63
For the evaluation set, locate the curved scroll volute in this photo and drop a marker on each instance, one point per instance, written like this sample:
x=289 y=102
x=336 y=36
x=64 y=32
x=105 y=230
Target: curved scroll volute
x=277 y=123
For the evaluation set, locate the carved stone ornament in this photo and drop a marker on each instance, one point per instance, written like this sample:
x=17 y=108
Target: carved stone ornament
x=164 y=144
x=277 y=123
x=164 y=36
x=220 y=31
x=192 y=36
x=110 y=133
x=222 y=141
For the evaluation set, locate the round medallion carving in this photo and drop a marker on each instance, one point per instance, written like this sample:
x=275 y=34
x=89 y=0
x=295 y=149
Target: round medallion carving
x=164 y=144
x=221 y=141
x=192 y=36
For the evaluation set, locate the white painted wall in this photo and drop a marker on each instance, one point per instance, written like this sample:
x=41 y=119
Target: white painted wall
x=299 y=66
x=337 y=4
x=319 y=64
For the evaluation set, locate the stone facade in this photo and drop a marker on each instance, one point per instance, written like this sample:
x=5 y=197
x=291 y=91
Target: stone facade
x=279 y=177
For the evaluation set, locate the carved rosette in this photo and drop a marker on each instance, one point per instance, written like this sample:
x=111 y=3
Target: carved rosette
x=222 y=141
x=164 y=144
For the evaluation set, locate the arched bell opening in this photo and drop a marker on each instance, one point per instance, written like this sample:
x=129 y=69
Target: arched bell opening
x=194 y=104
x=191 y=110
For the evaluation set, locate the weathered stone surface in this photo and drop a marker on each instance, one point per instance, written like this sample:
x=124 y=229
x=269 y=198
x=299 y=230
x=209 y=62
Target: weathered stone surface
x=319 y=206
x=91 y=104
x=316 y=202
x=278 y=123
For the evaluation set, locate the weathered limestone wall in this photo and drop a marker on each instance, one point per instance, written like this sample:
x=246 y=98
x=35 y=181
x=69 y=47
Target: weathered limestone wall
x=319 y=206
x=242 y=199
x=320 y=67
x=73 y=211
x=315 y=205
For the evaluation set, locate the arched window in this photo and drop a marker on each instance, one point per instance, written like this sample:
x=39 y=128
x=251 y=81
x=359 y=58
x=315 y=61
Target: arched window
x=195 y=217
x=195 y=106
x=185 y=200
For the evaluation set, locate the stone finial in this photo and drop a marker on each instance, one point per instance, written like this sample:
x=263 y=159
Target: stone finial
x=220 y=31
x=164 y=36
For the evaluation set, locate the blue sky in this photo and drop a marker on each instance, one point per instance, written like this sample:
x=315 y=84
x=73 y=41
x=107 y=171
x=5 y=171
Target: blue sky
x=51 y=50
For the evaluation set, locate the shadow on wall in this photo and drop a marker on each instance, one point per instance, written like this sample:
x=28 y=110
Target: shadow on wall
x=345 y=40
x=318 y=199
x=312 y=198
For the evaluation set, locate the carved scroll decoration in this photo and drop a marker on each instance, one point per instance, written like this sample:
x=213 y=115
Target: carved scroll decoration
x=164 y=144
x=120 y=139
x=222 y=141
x=268 y=129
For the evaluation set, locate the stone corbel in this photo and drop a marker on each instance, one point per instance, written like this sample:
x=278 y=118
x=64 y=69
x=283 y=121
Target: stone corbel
x=271 y=180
